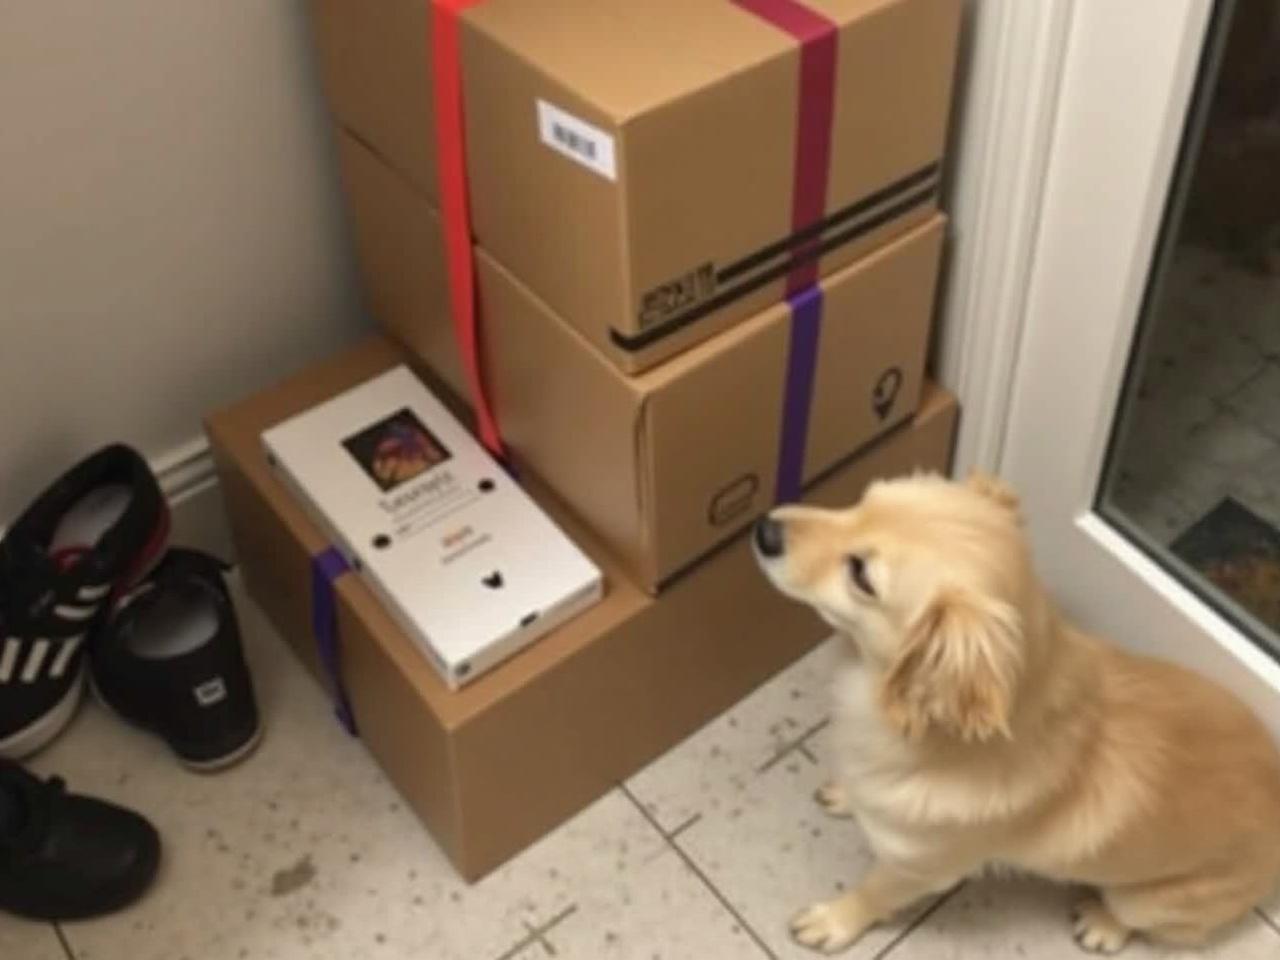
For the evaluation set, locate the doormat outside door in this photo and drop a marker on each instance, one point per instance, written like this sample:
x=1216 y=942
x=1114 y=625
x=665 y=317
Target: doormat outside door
x=1239 y=553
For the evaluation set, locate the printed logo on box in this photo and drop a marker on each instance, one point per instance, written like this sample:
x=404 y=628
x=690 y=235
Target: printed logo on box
x=886 y=391
x=576 y=139
x=675 y=296
x=734 y=500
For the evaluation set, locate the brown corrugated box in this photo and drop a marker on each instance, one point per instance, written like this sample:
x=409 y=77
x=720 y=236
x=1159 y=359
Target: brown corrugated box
x=564 y=721
x=699 y=100
x=668 y=463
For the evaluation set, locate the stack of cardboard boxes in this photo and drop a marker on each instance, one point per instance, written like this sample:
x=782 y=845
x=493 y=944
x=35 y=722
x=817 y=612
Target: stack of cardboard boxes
x=706 y=246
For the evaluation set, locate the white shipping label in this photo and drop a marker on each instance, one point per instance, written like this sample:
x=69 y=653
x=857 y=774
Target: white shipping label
x=577 y=140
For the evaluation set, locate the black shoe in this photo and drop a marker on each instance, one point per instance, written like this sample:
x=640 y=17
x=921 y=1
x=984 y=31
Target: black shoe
x=168 y=658
x=92 y=533
x=66 y=857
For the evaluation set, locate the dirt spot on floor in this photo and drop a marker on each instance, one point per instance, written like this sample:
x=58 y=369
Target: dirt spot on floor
x=292 y=879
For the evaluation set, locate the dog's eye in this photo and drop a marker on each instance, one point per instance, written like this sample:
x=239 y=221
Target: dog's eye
x=858 y=573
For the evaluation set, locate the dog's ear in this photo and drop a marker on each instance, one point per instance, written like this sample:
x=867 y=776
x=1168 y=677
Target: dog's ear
x=993 y=488
x=958 y=670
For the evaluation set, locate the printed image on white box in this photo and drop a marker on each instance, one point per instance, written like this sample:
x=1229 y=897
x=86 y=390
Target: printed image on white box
x=463 y=559
x=396 y=449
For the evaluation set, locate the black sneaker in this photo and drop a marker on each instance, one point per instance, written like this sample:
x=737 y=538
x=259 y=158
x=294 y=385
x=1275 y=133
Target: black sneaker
x=168 y=658
x=66 y=857
x=92 y=533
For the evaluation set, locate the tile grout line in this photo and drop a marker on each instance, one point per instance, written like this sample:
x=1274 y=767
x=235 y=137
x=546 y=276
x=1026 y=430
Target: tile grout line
x=528 y=941
x=676 y=831
x=697 y=871
x=919 y=921
x=1266 y=918
x=554 y=922
x=795 y=744
x=1222 y=403
x=536 y=934
x=62 y=939
x=551 y=924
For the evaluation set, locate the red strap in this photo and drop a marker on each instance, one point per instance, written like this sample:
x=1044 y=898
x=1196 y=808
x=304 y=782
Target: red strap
x=815 y=112
x=446 y=66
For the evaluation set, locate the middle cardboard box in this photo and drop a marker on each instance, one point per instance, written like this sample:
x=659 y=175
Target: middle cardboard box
x=666 y=465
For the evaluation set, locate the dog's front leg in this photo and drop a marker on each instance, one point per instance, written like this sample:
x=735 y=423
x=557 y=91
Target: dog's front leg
x=832 y=925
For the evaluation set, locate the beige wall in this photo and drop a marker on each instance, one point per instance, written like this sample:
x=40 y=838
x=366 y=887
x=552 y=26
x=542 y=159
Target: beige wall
x=171 y=234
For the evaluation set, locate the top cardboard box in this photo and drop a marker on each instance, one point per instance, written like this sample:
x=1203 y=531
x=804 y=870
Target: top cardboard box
x=635 y=164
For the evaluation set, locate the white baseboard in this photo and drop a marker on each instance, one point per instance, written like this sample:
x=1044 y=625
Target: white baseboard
x=190 y=482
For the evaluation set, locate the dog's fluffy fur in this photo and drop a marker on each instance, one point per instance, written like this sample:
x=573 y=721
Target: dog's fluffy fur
x=975 y=728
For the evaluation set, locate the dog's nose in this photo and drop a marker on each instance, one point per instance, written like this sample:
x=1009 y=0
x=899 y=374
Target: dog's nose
x=770 y=540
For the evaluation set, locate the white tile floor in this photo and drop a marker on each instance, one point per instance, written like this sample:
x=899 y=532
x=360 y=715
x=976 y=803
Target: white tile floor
x=306 y=853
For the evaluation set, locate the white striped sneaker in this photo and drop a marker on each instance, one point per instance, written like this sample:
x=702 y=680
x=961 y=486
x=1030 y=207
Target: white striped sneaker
x=97 y=530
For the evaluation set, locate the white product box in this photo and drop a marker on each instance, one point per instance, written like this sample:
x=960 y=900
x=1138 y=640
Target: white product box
x=465 y=561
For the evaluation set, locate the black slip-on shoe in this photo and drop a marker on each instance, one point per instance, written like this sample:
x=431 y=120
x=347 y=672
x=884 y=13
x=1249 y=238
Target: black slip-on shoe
x=168 y=658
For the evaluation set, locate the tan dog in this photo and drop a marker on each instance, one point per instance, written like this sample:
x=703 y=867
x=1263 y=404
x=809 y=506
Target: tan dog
x=976 y=728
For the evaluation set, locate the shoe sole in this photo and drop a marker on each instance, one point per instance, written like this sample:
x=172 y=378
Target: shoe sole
x=229 y=760
x=44 y=729
x=214 y=765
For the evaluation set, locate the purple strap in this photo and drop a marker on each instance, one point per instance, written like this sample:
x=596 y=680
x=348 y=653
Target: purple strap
x=326 y=567
x=802 y=359
x=818 y=36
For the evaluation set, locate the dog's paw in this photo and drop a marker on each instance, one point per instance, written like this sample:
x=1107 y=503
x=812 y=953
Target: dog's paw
x=831 y=798
x=1096 y=930
x=829 y=926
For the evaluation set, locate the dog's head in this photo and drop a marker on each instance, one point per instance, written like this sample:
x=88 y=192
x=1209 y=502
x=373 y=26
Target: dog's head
x=930 y=580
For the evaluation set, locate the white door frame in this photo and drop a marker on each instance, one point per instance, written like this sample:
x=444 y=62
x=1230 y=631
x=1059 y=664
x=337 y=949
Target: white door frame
x=1058 y=212
x=1012 y=64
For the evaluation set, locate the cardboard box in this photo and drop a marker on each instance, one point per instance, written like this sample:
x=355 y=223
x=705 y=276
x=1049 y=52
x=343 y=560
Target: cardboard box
x=564 y=720
x=399 y=243
x=646 y=168
x=666 y=464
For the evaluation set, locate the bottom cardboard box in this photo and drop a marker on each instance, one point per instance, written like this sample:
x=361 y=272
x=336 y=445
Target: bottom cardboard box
x=491 y=768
